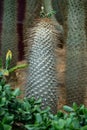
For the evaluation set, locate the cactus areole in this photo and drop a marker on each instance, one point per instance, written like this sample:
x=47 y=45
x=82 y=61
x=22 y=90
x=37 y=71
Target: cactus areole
x=41 y=74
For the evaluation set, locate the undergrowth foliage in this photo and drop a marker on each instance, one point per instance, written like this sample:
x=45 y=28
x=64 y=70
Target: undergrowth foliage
x=26 y=114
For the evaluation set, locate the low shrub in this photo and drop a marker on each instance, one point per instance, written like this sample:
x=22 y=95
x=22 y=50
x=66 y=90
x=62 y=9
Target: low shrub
x=26 y=114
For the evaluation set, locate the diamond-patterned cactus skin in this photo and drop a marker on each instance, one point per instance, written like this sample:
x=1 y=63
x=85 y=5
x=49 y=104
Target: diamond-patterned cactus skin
x=59 y=7
x=76 y=53
x=48 y=8
x=9 y=38
x=41 y=74
x=32 y=11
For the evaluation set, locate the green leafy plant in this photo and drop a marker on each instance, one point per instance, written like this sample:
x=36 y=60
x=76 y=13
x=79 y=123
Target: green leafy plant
x=6 y=71
x=43 y=14
x=74 y=118
x=26 y=114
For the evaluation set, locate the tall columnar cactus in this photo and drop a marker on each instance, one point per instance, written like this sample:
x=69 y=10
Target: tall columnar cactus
x=48 y=8
x=41 y=74
x=58 y=6
x=32 y=11
x=86 y=15
x=76 y=53
x=9 y=30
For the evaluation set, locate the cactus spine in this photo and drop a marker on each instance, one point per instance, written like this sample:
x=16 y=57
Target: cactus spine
x=41 y=76
x=76 y=61
x=9 y=30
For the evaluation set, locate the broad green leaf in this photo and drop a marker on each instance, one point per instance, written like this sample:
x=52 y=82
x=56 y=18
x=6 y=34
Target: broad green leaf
x=38 y=118
x=1 y=126
x=38 y=101
x=7 y=127
x=61 y=123
x=68 y=109
x=8 y=119
x=68 y=122
x=0 y=87
x=75 y=106
x=82 y=108
x=55 y=125
x=31 y=127
x=75 y=124
x=84 y=128
x=16 y=92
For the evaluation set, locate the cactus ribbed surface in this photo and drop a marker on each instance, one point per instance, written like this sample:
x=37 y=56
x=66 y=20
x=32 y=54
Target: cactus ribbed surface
x=58 y=6
x=9 y=30
x=86 y=15
x=76 y=53
x=41 y=75
x=32 y=11
x=48 y=9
